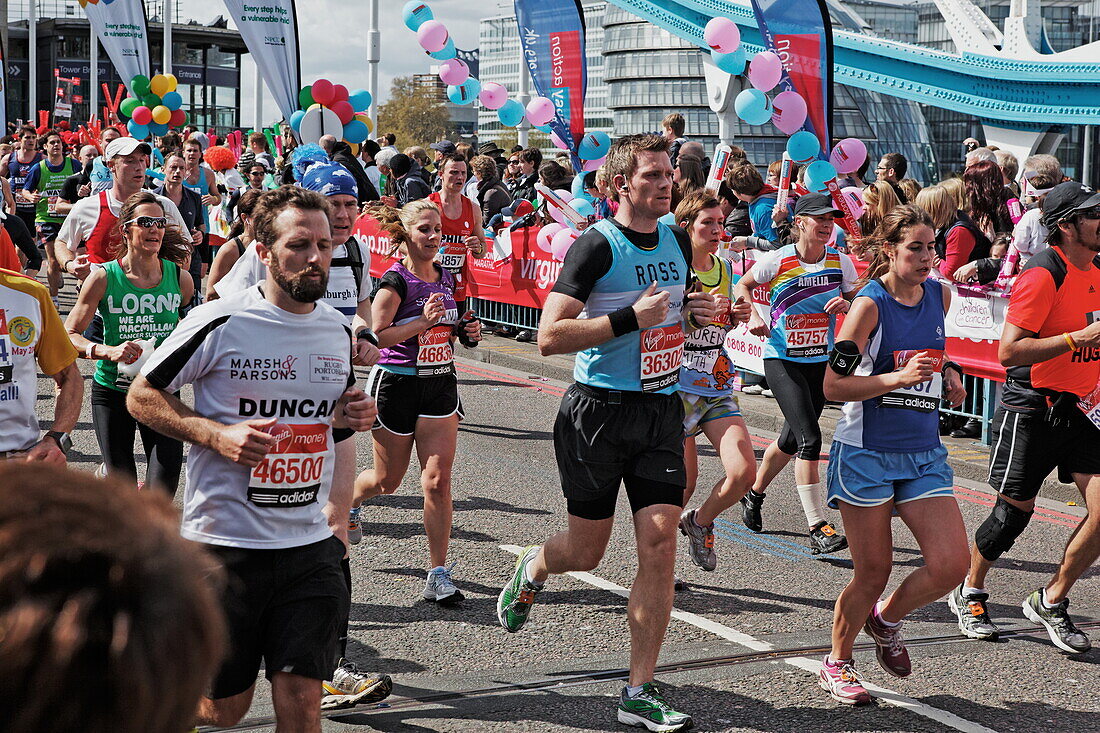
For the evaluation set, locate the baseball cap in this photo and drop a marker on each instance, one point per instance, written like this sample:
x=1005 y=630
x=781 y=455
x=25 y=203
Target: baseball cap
x=1065 y=199
x=816 y=204
x=489 y=149
x=520 y=207
x=125 y=146
x=444 y=146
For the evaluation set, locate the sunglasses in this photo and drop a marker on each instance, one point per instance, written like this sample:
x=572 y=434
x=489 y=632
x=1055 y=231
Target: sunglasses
x=148 y=222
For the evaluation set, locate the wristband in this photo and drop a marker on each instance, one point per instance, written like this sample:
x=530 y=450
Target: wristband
x=91 y=351
x=366 y=334
x=952 y=365
x=623 y=321
x=694 y=323
x=1069 y=340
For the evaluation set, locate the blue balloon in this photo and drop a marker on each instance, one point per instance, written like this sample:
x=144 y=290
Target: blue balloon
x=447 y=52
x=731 y=63
x=752 y=106
x=172 y=100
x=296 y=119
x=511 y=113
x=583 y=206
x=803 y=146
x=543 y=128
x=356 y=131
x=158 y=129
x=464 y=93
x=817 y=174
x=360 y=100
x=139 y=132
x=594 y=145
x=415 y=14
x=669 y=219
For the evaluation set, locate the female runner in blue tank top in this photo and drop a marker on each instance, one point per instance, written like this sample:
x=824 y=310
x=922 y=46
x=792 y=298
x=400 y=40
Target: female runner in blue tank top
x=414 y=382
x=889 y=368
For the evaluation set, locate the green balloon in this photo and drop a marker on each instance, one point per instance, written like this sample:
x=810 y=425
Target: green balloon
x=129 y=105
x=140 y=85
x=305 y=97
x=150 y=100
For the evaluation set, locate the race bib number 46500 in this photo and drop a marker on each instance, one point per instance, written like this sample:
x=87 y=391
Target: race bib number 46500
x=290 y=475
x=662 y=351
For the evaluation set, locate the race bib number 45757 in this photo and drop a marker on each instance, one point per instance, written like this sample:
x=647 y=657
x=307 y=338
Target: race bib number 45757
x=662 y=351
x=290 y=475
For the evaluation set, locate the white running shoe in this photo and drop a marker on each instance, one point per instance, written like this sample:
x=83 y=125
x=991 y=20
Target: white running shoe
x=439 y=586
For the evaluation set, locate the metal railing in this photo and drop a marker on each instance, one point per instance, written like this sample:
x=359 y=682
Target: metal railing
x=505 y=314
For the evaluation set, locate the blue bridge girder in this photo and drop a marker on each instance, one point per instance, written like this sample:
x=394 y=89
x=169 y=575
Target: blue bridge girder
x=1027 y=93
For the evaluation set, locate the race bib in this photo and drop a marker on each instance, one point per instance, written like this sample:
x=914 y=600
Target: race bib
x=662 y=350
x=435 y=354
x=7 y=368
x=52 y=197
x=923 y=397
x=1090 y=405
x=453 y=257
x=290 y=474
x=807 y=334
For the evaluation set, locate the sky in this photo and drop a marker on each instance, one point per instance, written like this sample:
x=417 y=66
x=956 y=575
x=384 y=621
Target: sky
x=333 y=40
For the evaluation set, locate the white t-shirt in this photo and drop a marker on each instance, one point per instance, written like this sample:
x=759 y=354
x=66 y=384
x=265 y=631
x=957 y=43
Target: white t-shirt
x=341 y=293
x=248 y=358
x=81 y=220
x=1029 y=237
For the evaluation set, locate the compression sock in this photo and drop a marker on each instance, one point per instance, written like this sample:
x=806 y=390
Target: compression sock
x=812 y=504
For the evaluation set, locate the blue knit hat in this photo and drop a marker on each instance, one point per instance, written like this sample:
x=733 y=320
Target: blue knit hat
x=330 y=179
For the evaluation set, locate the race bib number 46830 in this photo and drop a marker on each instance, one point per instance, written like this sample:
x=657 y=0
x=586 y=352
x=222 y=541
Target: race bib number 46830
x=662 y=351
x=434 y=354
x=290 y=475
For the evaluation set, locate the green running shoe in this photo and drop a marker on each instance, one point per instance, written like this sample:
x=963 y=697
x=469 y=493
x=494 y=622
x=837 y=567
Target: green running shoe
x=648 y=709
x=516 y=599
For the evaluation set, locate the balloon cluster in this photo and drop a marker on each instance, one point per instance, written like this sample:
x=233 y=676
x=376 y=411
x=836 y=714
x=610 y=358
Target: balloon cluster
x=155 y=107
x=330 y=109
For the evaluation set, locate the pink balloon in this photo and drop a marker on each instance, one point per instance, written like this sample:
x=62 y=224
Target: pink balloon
x=453 y=72
x=432 y=36
x=339 y=93
x=493 y=95
x=722 y=35
x=540 y=110
x=561 y=242
x=557 y=216
x=542 y=239
x=591 y=165
x=558 y=141
x=789 y=111
x=848 y=155
x=765 y=71
x=854 y=197
x=323 y=91
x=564 y=195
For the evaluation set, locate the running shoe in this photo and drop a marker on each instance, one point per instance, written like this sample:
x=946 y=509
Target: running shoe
x=974 y=620
x=355 y=530
x=751 y=504
x=752 y=389
x=1062 y=632
x=889 y=646
x=515 y=600
x=349 y=687
x=825 y=540
x=679 y=585
x=439 y=586
x=842 y=683
x=700 y=541
x=768 y=393
x=648 y=709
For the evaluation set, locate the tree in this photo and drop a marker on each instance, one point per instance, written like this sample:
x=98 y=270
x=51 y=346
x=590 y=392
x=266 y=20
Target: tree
x=415 y=114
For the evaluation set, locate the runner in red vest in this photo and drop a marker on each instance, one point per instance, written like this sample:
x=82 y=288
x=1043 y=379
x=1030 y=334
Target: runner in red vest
x=462 y=232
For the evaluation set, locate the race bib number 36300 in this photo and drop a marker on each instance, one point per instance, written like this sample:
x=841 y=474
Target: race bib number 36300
x=662 y=351
x=290 y=475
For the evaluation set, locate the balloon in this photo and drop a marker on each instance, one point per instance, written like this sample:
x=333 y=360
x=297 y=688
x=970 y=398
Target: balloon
x=722 y=35
x=451 y=72
x=142 y=115
x=668 y=218
x=591 y=165
x=540 y=110
x=561 y=242
x=296 y=119
x=789 y=111
x=318 y=122
x=803 y=146
x=510 y=113
x=752 y=106
x=140 y=85
x=464 y=93
x=172 y=100
x=594 y=145
x=322 y=91
x=356 y=131
x=137 y=131
x=432 y=36
x=416 y=14
x=172 y=82
x=855 y=200
x=583 y=207
x=564 y=195
x=558 y=142
x=158 y=85
x=848 y=155
x=543 y=129
x=731 y=63
x=765 y=71
x=493 y=96
x=343 y=110
x=161 y=114
x=557 y=216
x=315 y=105
x=151 y=100
x=448 y=52
x=158 y=129
x=179 y=118
x=305 y=97
x=360 y=99
x=817 y=173
x=339 y=93
x=129 y=105
x=542 y=239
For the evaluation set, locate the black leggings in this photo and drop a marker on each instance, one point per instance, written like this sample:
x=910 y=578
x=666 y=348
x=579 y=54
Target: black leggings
x=800 y=391
x=24 y=240
x=114 y=430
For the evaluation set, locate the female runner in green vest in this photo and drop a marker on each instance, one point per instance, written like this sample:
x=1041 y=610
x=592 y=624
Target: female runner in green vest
x=138 y=296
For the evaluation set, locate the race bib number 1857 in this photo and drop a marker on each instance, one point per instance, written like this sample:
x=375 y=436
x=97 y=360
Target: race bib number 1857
x=662 y=351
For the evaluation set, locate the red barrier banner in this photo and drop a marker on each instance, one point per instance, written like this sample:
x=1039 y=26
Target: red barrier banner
x=525 y=278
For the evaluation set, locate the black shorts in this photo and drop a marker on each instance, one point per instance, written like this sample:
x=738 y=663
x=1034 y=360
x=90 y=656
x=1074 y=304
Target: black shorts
x=339 y=435
x=1026 y=449
x=285 y=607
x=405 y=398
x=46 y=232
x=638 y=442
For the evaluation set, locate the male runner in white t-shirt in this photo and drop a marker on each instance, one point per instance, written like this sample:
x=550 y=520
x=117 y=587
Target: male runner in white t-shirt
x=271 y=371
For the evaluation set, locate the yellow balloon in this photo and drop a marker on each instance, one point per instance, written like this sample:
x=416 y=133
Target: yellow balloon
x=362 y=117
x=354 y=148
x=161 y=114
x=315 y=105
x=172 y=83
x=369 y=124
x=158 y=85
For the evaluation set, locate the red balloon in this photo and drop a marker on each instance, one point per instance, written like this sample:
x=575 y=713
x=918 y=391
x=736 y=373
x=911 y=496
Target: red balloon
x=343 y=110
x=339 y=93
x=142 y=115
x=179 y=117
x=323 y=92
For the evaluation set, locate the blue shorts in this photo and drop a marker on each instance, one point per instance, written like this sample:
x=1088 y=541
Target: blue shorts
x=864 y=477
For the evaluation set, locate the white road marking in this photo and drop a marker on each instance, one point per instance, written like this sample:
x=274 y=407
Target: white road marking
x=812 y=666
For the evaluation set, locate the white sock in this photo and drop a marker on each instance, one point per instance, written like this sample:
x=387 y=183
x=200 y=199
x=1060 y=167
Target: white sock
x=632 y=691
x=812 y=503
x=878 y=612
x=527 y=576
x=1046 y=604
x=968 y=591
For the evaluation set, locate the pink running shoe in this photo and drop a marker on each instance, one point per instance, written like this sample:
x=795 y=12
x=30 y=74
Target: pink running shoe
x=842 y=683
x=889 y=646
